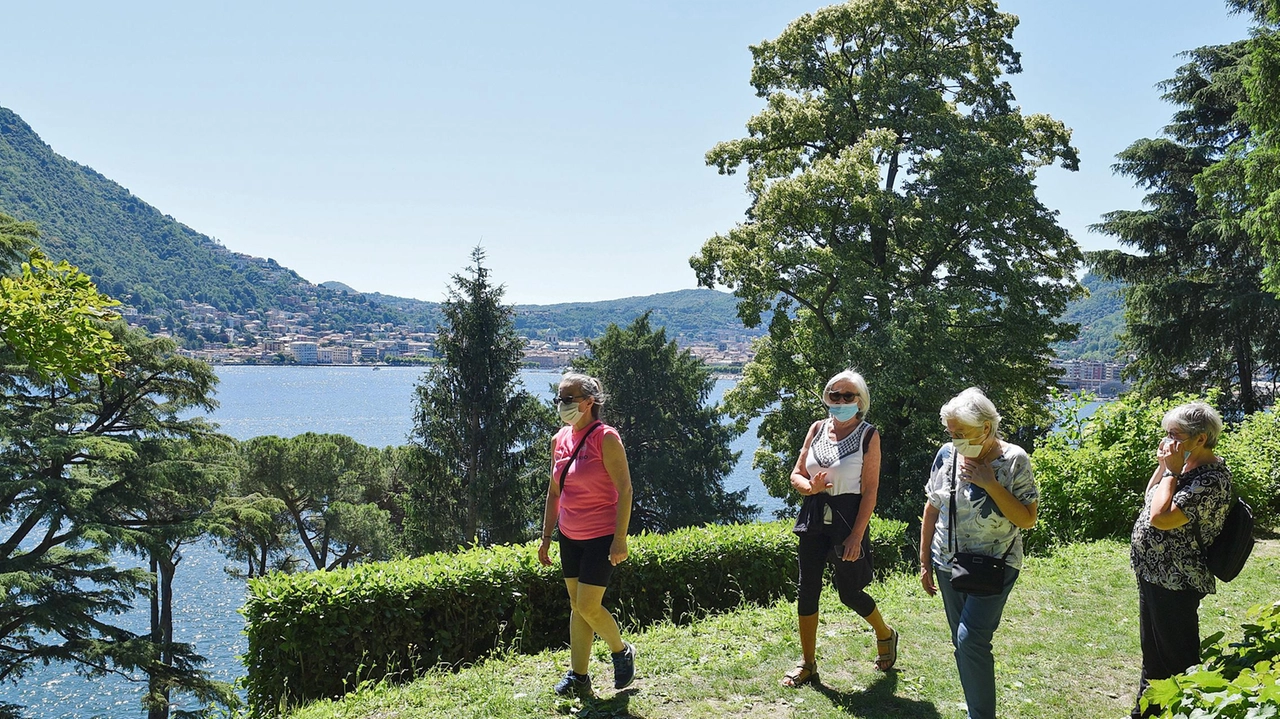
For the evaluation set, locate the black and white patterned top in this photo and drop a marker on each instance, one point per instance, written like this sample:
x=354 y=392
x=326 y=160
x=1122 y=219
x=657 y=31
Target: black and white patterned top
x=1170 y=558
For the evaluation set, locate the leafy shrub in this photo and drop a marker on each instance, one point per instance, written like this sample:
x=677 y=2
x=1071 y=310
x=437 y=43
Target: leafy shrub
x=1093 y=472
x=1252 y=451
x=319 y=634
x=1236 y=681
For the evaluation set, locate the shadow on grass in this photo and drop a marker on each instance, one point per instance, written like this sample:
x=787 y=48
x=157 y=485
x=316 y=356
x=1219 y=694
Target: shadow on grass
x=878 y=701
x=615 y=707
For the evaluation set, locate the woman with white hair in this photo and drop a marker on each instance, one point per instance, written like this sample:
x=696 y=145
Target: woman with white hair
x=981 y=495
x=838 y=474
x=1190 y=488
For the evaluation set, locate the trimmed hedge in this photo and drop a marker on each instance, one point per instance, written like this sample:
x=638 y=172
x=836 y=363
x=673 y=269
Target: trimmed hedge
x=319 y=634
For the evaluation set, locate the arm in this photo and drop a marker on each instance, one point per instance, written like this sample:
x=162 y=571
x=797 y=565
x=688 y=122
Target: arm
x=928 y=524
x=615 y=463
x=1022 y=515
x=549 y=514
x=870 y=488
x=800 y=480
x=1164 y=513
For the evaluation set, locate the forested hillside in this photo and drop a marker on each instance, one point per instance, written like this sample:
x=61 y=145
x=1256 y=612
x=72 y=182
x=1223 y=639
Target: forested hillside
x=151 y=261
x=1101 y=319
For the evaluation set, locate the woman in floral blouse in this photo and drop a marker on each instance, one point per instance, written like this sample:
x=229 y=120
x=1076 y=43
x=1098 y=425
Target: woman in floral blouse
x=1189 y=485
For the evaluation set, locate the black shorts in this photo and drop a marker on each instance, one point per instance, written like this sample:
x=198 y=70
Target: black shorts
x=586 y=560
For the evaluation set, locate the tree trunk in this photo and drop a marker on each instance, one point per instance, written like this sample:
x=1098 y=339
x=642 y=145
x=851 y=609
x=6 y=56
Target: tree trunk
x=161 y=632
x=1244 y=369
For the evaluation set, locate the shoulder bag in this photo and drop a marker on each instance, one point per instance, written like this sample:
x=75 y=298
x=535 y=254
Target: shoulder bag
x=976 y=574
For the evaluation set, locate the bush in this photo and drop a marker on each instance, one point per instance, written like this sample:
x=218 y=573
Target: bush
x=1240 y=680
x=1093 y=472
x=1252 y=451
x=319 y=634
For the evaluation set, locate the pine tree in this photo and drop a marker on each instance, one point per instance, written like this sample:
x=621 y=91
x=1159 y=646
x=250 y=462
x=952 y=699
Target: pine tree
x=678 y=448
x=480 y=443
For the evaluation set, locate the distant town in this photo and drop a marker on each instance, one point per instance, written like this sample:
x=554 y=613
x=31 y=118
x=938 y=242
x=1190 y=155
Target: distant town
x=276 y=337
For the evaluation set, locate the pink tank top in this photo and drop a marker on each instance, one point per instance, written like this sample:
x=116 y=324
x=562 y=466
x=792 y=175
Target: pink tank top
x=589 y=501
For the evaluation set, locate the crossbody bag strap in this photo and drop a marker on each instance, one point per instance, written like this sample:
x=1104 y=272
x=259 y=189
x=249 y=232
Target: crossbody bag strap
x=951 y=534
x=574 y=455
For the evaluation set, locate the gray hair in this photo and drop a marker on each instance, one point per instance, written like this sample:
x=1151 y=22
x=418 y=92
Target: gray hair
x=859 y=384
x=971 y=408
x=1194 y=418
x=587 y=386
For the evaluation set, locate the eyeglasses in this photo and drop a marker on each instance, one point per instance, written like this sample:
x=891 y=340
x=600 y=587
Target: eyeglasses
x=845 y=397
x=566 y=399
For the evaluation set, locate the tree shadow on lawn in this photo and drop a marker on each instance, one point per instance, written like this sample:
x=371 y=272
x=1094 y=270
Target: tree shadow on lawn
x=878 y=701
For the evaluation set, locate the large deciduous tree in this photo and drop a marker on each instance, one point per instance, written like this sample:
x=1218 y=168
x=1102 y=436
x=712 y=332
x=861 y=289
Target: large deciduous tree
x=1197 y=315
x=893 y=227
x=478 y=450
x=678 y=447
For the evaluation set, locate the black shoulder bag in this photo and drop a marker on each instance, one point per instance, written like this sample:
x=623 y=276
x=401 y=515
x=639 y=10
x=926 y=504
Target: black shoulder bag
x=1232 y=547
x=975 y=574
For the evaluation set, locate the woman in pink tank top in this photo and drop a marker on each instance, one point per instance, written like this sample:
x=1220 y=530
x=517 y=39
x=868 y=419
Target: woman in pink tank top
x=589 y=497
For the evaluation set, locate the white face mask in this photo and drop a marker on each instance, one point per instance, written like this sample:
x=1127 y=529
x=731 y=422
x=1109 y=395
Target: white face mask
x=970 y=448
x=569 y=413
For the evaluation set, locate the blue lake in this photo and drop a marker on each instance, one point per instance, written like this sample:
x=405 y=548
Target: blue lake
x=375 y=408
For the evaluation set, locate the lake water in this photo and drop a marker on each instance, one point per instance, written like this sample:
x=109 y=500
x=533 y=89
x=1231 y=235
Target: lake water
x=375 y=408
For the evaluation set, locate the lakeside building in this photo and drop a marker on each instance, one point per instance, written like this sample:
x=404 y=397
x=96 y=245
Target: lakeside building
x=305 y=352
x=1104 y=379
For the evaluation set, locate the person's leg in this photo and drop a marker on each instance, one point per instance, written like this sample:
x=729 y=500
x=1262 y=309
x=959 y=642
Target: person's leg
x=851 y=578
x=978 y=619
x=812 y=557
x=580 y=632
x=1169 y=627
x=589 y=606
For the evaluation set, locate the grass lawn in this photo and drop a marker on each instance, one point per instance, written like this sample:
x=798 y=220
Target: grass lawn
x=1067 y=649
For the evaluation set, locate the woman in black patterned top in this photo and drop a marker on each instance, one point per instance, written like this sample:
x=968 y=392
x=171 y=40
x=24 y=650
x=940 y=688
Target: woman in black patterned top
x=1189 y=485
x=838 y=474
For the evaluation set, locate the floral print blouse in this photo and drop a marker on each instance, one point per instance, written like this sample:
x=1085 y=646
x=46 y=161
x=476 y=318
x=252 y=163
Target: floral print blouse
x=1170 y=558
x=979 y=526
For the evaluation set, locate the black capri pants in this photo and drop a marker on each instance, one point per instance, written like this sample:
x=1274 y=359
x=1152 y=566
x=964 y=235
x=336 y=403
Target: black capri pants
x=817 y=550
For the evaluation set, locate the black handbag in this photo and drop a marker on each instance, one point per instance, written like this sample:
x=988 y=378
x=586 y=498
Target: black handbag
x=1232 y=547
x=971 y=573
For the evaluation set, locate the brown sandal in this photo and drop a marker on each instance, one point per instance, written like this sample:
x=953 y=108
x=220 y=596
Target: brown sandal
x=802 y=674
x=887 y=652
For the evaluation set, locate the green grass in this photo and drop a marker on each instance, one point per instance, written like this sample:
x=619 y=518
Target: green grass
x=1068 y=648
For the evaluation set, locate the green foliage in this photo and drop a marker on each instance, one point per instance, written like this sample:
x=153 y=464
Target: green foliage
x=1093 y=472
x=1252 y=450
x=1100 y=316
x=677 y=446
x=479 y=447
x=1240 y=680
x=320 y=634
x=50 y=313
x=687 y=315
x=1196 y=313
x=321 y=491
x=77 y=479
x=893 y=227
x=1257 y=164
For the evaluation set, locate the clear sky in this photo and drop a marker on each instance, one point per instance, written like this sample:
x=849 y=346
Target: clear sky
x=377 y=143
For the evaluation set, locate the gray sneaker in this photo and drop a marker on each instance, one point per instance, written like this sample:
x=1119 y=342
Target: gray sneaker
x=624 y=666
x=572 y=684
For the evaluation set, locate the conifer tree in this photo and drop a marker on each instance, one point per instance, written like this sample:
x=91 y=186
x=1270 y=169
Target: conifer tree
x=678 y=447
x=480 y=442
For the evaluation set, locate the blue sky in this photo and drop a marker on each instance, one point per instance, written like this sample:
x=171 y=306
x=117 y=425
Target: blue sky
x=377 y=144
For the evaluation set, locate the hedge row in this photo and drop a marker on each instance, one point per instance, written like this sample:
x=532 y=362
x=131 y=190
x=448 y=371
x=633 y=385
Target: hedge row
x=319 y=634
